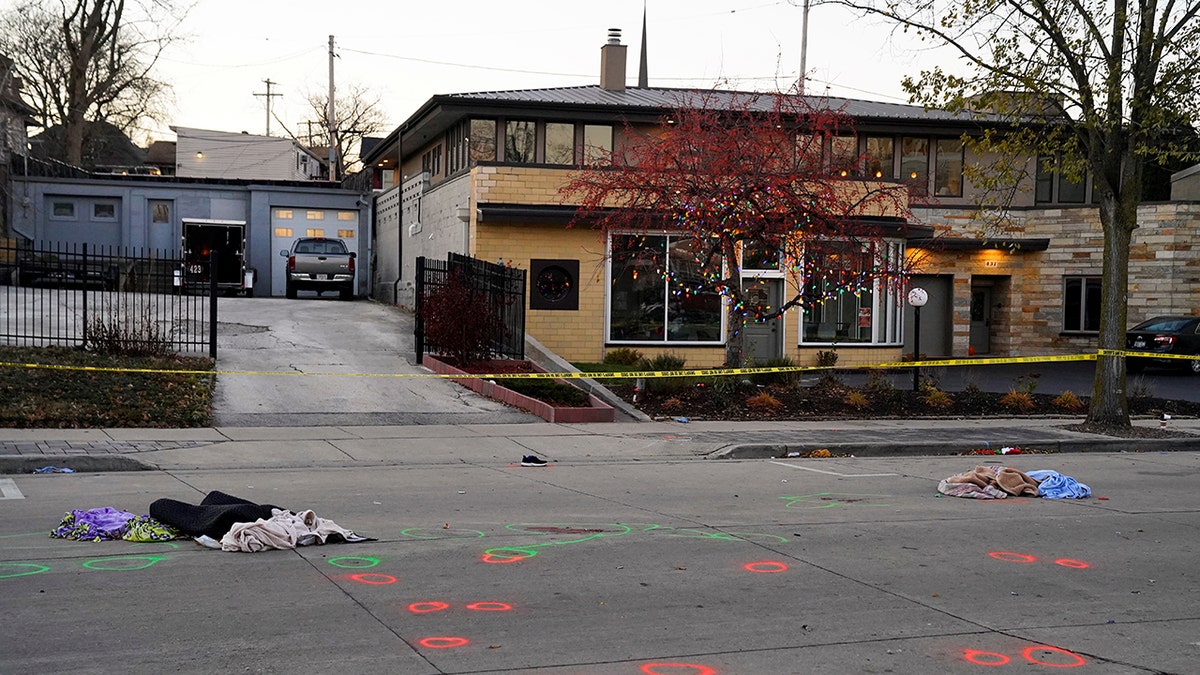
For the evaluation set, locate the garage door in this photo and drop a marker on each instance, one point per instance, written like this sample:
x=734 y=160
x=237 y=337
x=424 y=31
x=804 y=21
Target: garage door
x=289 y=224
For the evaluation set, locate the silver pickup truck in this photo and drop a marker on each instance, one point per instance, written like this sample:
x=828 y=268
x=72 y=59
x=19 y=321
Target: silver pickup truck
x=320 y=264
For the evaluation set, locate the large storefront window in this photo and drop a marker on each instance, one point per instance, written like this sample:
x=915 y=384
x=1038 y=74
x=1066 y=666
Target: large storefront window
x=655 y=292
x=847 y=294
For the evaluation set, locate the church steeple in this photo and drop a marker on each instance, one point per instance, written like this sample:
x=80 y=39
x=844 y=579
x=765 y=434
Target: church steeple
x=643 y=75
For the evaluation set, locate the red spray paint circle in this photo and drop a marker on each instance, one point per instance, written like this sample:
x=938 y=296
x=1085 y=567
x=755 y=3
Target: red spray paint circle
x=374 y=579
x=982 y=658
x=489 y=606
x=443 y=642
x=427 y=607
x=1073 y=564
x=1076 y=660
x=765 y=567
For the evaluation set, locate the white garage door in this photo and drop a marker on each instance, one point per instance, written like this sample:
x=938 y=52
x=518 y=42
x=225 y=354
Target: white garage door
x=289 y=224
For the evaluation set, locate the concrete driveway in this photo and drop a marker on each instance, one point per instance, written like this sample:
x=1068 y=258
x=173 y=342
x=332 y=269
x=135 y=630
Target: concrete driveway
x=323 y=362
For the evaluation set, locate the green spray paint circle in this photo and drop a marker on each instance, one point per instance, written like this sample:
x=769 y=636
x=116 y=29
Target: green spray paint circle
x=100 y=563
x=37 y=569
x=353 y=562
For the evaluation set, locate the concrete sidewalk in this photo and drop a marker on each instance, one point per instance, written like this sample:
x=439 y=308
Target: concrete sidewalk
x=23 y=450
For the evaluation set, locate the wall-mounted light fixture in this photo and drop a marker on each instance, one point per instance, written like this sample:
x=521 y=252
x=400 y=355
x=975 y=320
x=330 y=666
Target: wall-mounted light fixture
x=199 y=154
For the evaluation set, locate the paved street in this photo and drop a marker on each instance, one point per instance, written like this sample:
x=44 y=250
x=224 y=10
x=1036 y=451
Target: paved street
x=635 y=564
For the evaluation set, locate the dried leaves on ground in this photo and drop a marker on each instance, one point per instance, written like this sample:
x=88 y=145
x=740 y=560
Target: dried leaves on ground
x=84 y=389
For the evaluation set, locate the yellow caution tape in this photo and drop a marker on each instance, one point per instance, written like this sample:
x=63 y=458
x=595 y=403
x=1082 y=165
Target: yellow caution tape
x=630 y=375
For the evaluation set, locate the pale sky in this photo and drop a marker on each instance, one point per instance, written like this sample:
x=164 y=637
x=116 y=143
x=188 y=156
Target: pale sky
x=409 y=51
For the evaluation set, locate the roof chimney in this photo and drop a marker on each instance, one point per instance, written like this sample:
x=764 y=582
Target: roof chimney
x=612 y=62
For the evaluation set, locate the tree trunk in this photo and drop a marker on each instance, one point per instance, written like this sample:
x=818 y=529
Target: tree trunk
x=1118 y=216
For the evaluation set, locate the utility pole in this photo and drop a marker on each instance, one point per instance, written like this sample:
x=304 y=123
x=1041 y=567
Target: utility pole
x=803 y=49
x=330 y=120
x=268 y=96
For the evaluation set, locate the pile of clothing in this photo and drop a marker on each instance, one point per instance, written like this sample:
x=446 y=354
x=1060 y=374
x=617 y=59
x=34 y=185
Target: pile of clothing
x=219 y=521
x=1001 y=482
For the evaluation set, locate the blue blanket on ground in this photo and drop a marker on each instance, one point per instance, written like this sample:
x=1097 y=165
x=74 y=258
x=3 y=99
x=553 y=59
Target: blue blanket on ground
x=1054 y=485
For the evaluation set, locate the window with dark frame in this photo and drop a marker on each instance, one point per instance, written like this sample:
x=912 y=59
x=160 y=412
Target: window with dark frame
x=948 y=168
x=1081 y=304
x=520 y=142
x=560 y=143
x=880 y=157
x=597 y=144
x=62 y=209
x=482 y=141
x=104 y=211
x=914 y=163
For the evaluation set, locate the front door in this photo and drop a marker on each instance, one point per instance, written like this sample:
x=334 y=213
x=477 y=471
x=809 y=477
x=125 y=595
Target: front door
x=764 y=339
x=981 y=320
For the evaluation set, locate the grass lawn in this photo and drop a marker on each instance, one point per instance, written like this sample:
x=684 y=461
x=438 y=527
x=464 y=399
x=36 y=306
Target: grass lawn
x=71 y=396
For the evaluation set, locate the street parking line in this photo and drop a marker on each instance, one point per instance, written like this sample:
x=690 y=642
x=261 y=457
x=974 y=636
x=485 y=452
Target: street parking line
x=835 y=473
x=9 y=490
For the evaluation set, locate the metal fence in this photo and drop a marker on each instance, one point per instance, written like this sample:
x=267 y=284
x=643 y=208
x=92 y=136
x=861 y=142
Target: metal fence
x=503 y=289
x=76 y=294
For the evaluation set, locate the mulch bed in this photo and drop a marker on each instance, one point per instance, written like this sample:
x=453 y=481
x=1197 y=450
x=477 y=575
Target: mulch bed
x=703 y=402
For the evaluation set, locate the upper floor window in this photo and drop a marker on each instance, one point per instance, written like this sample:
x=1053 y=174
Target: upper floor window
x=843 y=154
x=1053 y=185
x=597 y=143
x=948 y=171
x=482 y=141
x=914 y=163
x=880 y=157
x=560 y=143
x=520 y=142
x=431 y=161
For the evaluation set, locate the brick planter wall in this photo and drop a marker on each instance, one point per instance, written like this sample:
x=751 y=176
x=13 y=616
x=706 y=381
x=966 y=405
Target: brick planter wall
x=598 y=411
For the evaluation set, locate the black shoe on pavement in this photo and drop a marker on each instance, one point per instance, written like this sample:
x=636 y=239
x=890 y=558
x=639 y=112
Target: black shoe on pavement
x=532 y=460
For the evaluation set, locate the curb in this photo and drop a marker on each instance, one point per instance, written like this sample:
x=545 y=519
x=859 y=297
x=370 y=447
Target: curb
x=952 y=448
x=19 y=464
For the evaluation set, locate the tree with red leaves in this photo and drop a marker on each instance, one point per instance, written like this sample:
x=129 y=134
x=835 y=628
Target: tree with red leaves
x=729 y=172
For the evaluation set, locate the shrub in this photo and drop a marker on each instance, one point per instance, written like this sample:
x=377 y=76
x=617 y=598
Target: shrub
x=727 y=387
x=1018 y=400
x=459 y=322
x=857 y=400
x=881 y=391
x=124 y=335
x=787 y=377
x=827 y=359
x=623 y=356
x=935 y=398
x=661 y=362
x=1068 y=401
x=764 y=402
x=1141 y=388
x=972 y=396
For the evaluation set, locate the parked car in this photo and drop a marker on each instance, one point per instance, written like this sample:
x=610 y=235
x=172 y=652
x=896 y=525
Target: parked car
x=1164 y=335
x=320 y=264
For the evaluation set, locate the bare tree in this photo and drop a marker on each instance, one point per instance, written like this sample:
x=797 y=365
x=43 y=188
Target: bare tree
x=90 y=60
x=1105 y=87
x=357 y=114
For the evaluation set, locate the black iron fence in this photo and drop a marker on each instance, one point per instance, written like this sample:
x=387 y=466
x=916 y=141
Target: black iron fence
x=76 y=294
x=503 y=289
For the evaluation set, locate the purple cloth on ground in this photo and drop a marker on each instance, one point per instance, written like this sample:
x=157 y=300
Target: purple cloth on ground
x=93 y=524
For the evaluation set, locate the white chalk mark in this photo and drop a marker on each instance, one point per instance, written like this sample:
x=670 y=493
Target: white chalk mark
x=9 y=490
x=835 y=473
